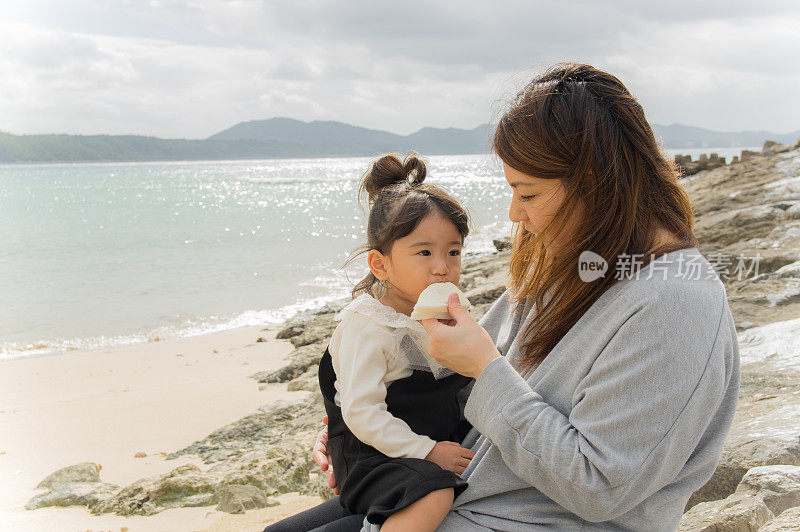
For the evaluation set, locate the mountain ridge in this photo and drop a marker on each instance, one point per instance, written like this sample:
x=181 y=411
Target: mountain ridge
x=283 y=137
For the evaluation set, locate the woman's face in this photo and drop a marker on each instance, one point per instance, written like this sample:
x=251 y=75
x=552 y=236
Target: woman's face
x=535 y=203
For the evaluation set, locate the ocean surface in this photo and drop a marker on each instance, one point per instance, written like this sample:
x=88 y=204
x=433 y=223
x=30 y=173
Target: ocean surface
x=101 y=254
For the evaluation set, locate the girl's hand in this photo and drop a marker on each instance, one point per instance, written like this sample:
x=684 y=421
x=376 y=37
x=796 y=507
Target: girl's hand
x=450 y=456
x=322 y=458
x=461 y=343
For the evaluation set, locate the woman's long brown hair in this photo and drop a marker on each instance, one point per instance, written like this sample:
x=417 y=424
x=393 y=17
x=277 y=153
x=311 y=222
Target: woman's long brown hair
x=581 y=125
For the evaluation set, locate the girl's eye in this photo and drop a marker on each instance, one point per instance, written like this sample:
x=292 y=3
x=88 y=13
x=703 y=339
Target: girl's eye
x=454 y=251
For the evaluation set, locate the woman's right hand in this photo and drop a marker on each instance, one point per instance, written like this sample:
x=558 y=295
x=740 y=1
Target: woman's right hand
x=450 y=456
x=322 y=458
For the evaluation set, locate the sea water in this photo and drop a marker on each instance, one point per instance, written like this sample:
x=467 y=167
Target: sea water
x=101 y=254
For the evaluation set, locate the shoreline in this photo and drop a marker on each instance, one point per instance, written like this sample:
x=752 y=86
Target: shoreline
x=105 y=405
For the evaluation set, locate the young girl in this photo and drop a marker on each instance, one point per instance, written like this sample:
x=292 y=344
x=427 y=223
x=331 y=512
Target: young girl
x=393 y=414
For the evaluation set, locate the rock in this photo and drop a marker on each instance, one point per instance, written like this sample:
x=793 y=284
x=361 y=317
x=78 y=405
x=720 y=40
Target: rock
x=289 y=332
x=483 y=295
x=310 y=337
x=763 y=493
x=140 y=454
x=330 y=308
x=280 y=468
x=733 y=514
x=260 y=339
x=186 y=485
x=308 y=381
x=276 y=425
x=738 y=458
x=778 y=486
x=787 y=521
x=74 y=494
x=748 y=154
x=704 y=162
x=237 y=499
x=503 y=244
x=772 y=147
x=83 y=472
x=301 y=360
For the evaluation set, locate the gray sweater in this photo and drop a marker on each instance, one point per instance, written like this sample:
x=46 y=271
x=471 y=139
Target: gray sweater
x=623 y=420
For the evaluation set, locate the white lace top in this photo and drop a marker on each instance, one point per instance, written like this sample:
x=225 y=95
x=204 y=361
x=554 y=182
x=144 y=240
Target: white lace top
x=373 y=346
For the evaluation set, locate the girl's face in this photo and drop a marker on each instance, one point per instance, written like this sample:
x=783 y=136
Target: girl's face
x=535 y=203
x=431 y=253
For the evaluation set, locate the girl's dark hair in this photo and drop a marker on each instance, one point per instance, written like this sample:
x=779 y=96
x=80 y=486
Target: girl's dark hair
x=398 y=200
x=582 y=126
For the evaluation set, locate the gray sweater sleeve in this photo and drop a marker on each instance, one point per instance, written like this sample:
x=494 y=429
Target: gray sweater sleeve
x=635 y=418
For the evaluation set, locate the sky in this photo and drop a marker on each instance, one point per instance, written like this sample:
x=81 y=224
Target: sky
x=192 y=68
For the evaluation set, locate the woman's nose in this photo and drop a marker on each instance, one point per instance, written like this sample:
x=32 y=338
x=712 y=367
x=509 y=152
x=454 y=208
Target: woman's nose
x=516 y=213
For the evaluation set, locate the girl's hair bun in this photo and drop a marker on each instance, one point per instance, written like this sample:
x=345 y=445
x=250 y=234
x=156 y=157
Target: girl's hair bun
x=389 y=171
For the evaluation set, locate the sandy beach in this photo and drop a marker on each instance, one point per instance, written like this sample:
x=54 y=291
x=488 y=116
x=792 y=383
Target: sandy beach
x=105 y=406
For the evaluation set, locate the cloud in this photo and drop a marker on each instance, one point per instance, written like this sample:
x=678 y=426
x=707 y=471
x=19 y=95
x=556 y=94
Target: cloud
x=189 y=68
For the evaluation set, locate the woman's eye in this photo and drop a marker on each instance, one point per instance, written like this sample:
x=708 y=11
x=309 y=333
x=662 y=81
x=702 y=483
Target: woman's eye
x=526 y=198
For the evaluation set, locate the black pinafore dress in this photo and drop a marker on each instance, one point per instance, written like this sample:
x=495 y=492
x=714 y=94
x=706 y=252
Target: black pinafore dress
x=374 y=484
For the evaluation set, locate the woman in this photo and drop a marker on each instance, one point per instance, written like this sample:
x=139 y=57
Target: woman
x=602 y=394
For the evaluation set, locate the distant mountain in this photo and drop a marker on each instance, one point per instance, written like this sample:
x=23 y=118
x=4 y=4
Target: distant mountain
x=361 y=141
x=289 y=138
x=677 y=136
x=291 y=130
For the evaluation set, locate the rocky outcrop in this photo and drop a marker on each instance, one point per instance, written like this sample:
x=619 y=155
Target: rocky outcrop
x=764 y=493
x=76 y=485
x=748 y=224
x=703 y=162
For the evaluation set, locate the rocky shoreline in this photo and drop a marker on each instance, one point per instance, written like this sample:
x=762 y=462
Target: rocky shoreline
x=748 y=225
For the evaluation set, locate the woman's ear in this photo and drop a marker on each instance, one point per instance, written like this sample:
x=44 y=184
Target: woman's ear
x=377 y=264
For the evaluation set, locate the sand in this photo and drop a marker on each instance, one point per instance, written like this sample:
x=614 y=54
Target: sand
x=104 y=406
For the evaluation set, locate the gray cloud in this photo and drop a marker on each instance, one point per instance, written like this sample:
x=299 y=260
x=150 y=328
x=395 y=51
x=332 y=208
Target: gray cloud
x=190 y=68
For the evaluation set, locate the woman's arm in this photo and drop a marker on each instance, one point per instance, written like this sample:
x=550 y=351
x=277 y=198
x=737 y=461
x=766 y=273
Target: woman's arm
x=636 y=416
